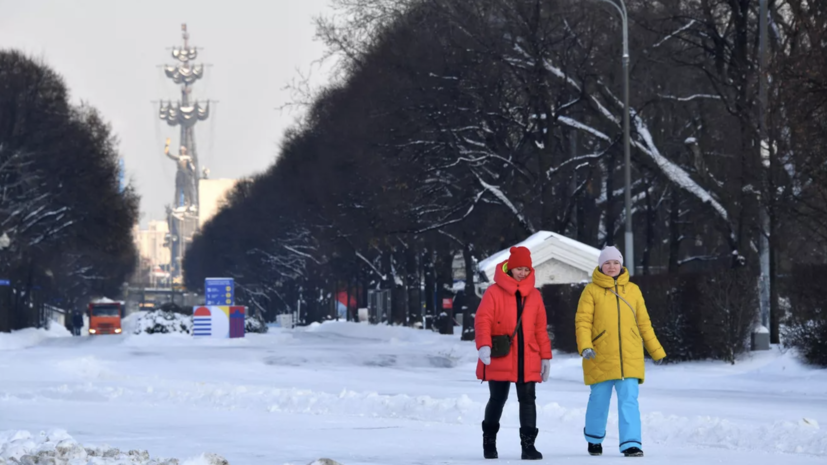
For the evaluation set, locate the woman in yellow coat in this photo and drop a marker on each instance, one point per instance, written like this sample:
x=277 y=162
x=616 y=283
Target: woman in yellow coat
x=613 y=327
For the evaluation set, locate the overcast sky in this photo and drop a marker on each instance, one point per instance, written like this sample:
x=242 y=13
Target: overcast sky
x=108 y=51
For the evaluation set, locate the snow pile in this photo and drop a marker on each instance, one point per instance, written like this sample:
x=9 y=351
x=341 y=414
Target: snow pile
x=374 y=405
x=802 y=437
x=254 y=324
x=163 y=322
x=57 y=447
x=167 y=322
x=132 y=321
x=207 y=459
x=31 y=336
x=374 y=333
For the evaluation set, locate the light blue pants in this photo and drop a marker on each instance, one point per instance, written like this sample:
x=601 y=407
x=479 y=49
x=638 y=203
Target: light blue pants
x=597 y=413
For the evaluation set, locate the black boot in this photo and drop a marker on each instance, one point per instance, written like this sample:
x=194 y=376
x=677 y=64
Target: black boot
x=489 y=440
x=595 y=449
x=527 y=437
x=633 y=452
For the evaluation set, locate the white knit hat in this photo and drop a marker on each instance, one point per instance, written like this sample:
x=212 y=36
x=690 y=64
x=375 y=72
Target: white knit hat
x=609 y=253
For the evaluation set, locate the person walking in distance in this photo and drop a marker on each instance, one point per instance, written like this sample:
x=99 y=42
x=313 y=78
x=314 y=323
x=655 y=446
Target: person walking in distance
x=77 y=322
x=514 y=347
x=612 y=328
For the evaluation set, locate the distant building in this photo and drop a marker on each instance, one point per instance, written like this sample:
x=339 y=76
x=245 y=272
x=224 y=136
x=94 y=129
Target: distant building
x=556 y=259
x=213 y=196
x=154 y=253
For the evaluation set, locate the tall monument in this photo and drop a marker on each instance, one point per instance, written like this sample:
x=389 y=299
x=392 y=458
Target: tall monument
x=182 y=214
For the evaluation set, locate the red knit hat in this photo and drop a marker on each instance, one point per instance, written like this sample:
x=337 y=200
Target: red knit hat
x=520 y=256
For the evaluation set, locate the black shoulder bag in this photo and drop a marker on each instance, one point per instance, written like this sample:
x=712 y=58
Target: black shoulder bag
x=501 y=345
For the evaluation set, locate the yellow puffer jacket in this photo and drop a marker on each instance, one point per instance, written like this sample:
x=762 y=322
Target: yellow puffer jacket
x=611 y=318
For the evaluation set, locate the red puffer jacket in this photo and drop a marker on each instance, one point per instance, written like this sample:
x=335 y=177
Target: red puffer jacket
x=497 y=315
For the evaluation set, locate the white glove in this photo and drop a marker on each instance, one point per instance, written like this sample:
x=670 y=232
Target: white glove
x=485 y=355
x=589 y=354
x=544 y=369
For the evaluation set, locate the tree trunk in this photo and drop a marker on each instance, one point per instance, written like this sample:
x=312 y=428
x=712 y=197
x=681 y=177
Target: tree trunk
x=608 y=208
x=413 y=285
x=398 y=300
x=470 y=302
x=775 y=317
x=444 y=261
x=430 y=287
x=674 y=230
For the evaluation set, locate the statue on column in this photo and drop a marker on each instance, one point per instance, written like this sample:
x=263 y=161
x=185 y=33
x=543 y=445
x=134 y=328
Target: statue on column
x=184 y=177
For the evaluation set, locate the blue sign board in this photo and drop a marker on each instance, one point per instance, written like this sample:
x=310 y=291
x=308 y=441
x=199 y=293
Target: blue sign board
x=5 y=282
x=219 y=291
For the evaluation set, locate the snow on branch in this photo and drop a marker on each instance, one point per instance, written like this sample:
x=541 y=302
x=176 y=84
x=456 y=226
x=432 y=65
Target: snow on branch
x=591 y=156
x=452 y=237
x=578 y=125
x=442 y=224
x=691 y=97
x=675 y=174
x=375 y=270
x=498 y=193
x=704 y=258
x=300 y=253
x=690 y=24
x=672 y=171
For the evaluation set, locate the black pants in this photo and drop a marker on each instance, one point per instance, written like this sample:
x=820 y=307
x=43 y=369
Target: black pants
x=499 y=394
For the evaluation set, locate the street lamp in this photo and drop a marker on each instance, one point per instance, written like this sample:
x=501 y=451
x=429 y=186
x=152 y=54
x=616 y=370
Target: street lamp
x=629 y=251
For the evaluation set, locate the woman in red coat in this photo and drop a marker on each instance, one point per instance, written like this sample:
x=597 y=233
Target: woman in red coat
x=512 y=298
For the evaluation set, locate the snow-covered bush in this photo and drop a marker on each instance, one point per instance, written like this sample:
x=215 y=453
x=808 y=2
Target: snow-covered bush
x=59 y=448
x=805 y=328
x=163 y=322
x=253 y=323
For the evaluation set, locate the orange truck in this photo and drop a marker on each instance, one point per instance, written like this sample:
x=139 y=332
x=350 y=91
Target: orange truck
x=105 y=317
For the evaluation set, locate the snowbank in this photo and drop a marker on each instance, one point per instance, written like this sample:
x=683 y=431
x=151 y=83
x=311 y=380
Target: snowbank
x=31 y=336
x=132 y=322
x=57 y=447
x=803 y=436
x=253 y=323
x=375 y=333
x=166 y=322
x=160 y=321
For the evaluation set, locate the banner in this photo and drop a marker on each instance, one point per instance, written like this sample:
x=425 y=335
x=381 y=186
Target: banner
x=218 y=321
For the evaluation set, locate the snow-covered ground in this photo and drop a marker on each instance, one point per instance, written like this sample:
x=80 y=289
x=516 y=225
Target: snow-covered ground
x=364 y=394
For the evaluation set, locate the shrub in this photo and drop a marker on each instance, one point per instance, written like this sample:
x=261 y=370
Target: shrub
x=695 y=316
x=254 y=323
x=561 y=306
x=805 y=327
x=730 y=303
x=664 y=296
x=164 y=322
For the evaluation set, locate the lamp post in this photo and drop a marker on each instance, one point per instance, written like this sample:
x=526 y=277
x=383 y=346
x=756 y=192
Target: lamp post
x=629 y=250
